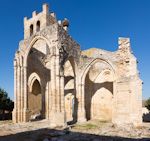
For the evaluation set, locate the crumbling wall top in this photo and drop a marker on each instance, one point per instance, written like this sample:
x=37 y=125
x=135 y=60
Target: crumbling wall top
x=38 y=21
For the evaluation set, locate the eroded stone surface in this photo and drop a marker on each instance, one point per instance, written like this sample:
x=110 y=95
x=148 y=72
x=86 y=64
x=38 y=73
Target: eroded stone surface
x=54 y=80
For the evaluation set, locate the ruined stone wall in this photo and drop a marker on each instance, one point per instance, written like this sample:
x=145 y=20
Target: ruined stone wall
x=45 y=19
x=69 y=44
x=128 y=105
x=126 y=85
x=104 y=85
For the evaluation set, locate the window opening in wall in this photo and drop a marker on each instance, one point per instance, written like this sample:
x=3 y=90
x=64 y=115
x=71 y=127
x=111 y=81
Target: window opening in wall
x=38 y=26
x=31 y=30
x=36 y=88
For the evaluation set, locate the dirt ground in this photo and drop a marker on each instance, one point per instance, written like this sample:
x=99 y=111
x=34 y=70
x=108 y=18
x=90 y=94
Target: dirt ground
x=93 y=130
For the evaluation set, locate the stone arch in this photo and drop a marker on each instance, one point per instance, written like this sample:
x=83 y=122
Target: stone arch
x=92 y=63
x=30 y=46
x=97 y=86
x=35 y=100
x=73 y=63
x=104 y=72
x=33 y=76
x=72 y=95
x=34 y=62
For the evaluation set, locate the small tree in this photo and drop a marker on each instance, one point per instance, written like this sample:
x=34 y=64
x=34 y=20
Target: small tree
x=147 y=105
x=5 y=102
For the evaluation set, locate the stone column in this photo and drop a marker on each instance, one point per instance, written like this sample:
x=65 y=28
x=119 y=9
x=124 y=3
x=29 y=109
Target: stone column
x=50 y=95
x=58 y=117
x=62 y=115
x=83 y=103
x=47 y=99
x=53 y=91
x=19 y=94
x=62 y=93
x=57 y=85
x=79 y=103
x=80 y=97
x=43 y=101
x=49 y=91
x=81 y=110
x=114 y=102
x=15 y=119
x=53 y=80
x=26 y=118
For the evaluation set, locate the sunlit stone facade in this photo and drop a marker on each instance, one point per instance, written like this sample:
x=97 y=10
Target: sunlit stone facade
x=54 y=80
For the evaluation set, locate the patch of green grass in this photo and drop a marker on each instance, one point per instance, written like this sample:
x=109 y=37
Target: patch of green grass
x=89 y=126
x=75 y=124
x=103 y=121
x=132 y=136
x=30 y=127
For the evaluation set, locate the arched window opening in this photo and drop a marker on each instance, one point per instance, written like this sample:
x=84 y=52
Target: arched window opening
x=31 y=30
x=36 y=88
x=38 y=26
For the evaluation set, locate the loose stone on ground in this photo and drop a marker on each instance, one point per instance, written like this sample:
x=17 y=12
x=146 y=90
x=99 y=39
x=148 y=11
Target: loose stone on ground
x=92 y=130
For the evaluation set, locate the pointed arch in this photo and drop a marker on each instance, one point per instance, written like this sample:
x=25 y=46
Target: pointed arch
x=30 y=46
x=73 y=64
x=72 y=113
x=33 y=76
x=91 y=64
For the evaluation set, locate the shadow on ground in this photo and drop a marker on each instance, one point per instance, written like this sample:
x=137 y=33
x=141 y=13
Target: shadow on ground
x=62 y=135
x=146 y=117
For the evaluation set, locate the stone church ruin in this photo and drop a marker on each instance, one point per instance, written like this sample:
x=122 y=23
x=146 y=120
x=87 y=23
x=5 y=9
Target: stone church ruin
x=57 y=81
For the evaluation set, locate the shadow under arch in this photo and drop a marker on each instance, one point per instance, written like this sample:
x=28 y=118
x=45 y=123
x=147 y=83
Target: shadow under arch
x=92 y=92
x=36 y=70
x=35 y=95
x=73 y=91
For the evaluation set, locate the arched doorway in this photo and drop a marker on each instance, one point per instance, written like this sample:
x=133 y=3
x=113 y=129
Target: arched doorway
x=35 y=100
x=37 y=68
x=99 y=92
x=70 y=90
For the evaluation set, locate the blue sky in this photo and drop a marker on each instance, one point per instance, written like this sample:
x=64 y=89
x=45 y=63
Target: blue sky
x=93 y=23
